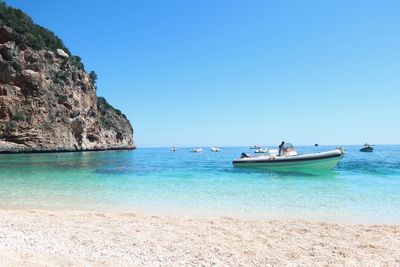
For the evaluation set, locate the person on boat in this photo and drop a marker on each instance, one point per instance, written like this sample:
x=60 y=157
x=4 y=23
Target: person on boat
x=244 y=155
x=281 y=148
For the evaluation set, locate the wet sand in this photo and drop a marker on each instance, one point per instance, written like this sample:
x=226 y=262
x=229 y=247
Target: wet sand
x=54 y=238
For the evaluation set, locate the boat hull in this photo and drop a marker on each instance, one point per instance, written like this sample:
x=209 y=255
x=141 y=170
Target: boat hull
x=367 y=149
x=316 y=162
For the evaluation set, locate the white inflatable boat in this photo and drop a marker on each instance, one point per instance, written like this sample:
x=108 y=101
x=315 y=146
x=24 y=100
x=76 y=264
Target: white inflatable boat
x=291 y=161
x=215 y=149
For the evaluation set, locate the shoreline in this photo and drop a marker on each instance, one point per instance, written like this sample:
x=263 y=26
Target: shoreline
x=41 y=237
x=37 y=151
x=207 y=214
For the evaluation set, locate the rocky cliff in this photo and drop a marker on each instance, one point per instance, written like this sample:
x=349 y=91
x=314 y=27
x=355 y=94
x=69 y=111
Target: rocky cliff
x=48 y=102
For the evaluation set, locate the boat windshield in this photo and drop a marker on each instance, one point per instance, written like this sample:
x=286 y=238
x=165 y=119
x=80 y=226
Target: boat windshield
x=288 y=146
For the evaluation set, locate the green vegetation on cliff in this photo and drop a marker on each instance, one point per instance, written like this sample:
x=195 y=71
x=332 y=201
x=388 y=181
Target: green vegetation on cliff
x=60 y=112
x=103 y=104
x=34 y=35
x=40 y=38
x=104 y=107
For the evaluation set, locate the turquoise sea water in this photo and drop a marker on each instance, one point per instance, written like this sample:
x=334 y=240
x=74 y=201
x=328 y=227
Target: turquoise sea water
x=364 y=188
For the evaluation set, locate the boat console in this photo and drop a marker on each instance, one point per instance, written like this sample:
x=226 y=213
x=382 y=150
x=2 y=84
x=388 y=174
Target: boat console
x=289 y=150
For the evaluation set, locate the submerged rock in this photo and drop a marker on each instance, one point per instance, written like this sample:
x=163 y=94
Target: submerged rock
x=49 y=103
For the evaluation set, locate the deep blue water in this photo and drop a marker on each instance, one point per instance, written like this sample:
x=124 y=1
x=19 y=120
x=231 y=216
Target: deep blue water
x=364 y=188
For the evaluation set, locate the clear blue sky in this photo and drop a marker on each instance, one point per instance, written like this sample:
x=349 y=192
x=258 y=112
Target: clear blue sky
x=240 y=72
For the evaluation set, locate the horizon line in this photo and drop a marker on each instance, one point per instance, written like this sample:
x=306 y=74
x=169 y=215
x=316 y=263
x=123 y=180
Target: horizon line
x=188 y=146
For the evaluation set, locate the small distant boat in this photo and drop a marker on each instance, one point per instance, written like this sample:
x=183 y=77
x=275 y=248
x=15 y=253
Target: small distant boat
x=255 y=147
x=316 y=145
x=367 y=148
x=174 y=149
x=289 y=160
x=215 y=149
x=196 y=150
x=261 y=150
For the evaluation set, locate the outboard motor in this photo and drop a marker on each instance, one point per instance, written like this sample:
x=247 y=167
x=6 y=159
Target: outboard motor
x=244 y=155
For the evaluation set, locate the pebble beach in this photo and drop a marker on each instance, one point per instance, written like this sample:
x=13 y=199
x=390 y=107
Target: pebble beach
x=76 y=238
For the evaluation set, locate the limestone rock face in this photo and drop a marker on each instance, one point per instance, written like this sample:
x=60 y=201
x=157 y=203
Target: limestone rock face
x=48 y=103
x=62 y=53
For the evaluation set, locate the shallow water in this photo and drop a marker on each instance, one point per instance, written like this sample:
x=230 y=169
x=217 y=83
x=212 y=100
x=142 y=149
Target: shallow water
x=364 y=188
